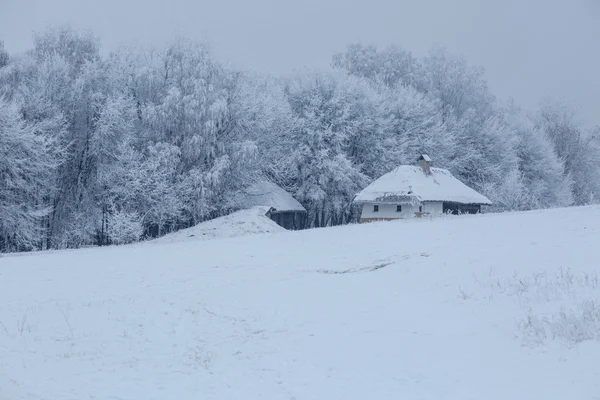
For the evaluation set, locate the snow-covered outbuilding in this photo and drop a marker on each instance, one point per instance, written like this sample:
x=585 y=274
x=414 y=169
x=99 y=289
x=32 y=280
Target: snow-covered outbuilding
x=410 y=191
x=284 y=209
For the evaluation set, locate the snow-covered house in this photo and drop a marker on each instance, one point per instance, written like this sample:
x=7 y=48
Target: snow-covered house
x=285 y=210
x=410 y=191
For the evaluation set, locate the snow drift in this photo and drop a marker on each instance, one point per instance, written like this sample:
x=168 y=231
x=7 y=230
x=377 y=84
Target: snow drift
x=241 y=223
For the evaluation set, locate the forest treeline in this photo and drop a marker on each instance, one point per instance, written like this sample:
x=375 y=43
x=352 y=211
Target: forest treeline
x=98 y=149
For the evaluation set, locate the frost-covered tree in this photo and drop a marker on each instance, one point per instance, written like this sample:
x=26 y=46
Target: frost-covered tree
x=458 y=86
x=577 y=148
x=391 y=66
x=124 y=227
x=511 y=193
x=29 y=156
x=413 y=126
x=542 y=172
x=487 y=159
x=189 y=101
x=266 y=120
x=76 y=48
x=61 y=78
x=329 y=120
x=114 y=129
x=3 y=55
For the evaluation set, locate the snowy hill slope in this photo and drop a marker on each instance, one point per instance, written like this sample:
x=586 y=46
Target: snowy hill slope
x=241 y=223
x=474 y=307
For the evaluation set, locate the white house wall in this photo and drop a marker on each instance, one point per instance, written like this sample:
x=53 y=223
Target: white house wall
x=387 y=211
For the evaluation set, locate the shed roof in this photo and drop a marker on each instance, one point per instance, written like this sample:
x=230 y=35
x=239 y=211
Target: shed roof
x=265 y=193
x=410 y=184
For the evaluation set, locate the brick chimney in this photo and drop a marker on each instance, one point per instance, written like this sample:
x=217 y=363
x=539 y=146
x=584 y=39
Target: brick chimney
x=425 y=163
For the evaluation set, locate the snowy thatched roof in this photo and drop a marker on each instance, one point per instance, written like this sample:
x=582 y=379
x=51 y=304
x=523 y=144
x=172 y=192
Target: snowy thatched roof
x=265 y=193
x=410 y=184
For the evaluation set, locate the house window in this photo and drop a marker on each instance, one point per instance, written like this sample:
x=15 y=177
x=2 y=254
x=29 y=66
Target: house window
x=376 y=208
x=398 y=208
x=420 y=208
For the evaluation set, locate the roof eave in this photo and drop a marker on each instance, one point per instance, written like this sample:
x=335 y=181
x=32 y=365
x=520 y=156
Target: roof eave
x=295 y=210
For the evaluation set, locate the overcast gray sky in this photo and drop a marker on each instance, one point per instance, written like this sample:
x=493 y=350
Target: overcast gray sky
x=529 y=48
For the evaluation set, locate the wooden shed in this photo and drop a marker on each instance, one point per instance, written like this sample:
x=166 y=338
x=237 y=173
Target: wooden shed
x=284 y=209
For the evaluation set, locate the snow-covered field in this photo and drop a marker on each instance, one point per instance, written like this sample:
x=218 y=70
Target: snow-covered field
x=474 y=307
